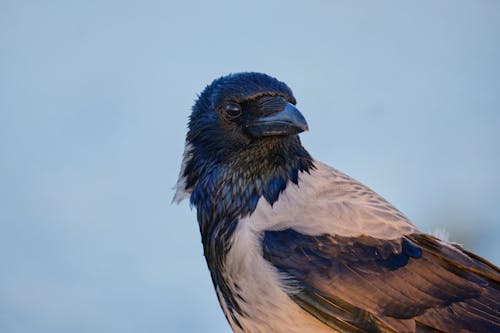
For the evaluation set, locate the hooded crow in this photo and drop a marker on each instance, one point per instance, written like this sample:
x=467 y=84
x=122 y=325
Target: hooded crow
x=296 y=246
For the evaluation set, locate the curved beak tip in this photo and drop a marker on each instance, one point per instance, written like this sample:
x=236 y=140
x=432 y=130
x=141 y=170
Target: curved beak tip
x=288 y=121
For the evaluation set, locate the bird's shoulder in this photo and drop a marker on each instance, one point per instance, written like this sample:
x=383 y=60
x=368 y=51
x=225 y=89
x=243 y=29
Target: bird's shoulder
x=327 y=201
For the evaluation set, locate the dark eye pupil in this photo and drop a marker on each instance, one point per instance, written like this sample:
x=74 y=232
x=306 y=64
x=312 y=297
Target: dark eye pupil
x=233 y=110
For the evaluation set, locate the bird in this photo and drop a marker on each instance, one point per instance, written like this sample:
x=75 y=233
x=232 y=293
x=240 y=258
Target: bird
x=296 y=246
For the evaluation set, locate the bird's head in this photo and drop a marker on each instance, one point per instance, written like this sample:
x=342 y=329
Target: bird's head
x=242 y=110
x=246 y=121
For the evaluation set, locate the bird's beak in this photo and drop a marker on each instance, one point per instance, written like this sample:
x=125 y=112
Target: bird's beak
x=285 y=122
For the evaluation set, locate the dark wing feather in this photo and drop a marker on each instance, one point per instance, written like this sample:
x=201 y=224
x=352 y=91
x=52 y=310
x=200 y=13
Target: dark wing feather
x=364 y=284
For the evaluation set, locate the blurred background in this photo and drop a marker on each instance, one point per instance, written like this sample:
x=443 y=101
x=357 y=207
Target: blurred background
x=94 y=100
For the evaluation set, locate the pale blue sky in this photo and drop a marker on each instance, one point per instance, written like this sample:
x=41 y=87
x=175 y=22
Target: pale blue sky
x=94 y=99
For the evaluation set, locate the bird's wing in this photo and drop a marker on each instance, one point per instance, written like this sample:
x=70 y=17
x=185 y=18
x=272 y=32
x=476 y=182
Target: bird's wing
x=365 y=283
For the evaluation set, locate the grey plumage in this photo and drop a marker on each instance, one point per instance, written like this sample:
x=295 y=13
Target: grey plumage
x=294 y=245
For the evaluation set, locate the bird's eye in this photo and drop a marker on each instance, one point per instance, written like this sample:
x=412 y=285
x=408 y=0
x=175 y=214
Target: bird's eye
x=232 y=111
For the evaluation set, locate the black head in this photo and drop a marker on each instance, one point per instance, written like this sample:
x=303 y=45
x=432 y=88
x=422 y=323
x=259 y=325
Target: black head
x=241 y=110
x=244 y=125
x=243 y=131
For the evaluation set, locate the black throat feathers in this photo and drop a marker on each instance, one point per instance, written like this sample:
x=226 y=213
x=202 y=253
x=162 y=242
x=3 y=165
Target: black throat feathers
x=227 y=188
